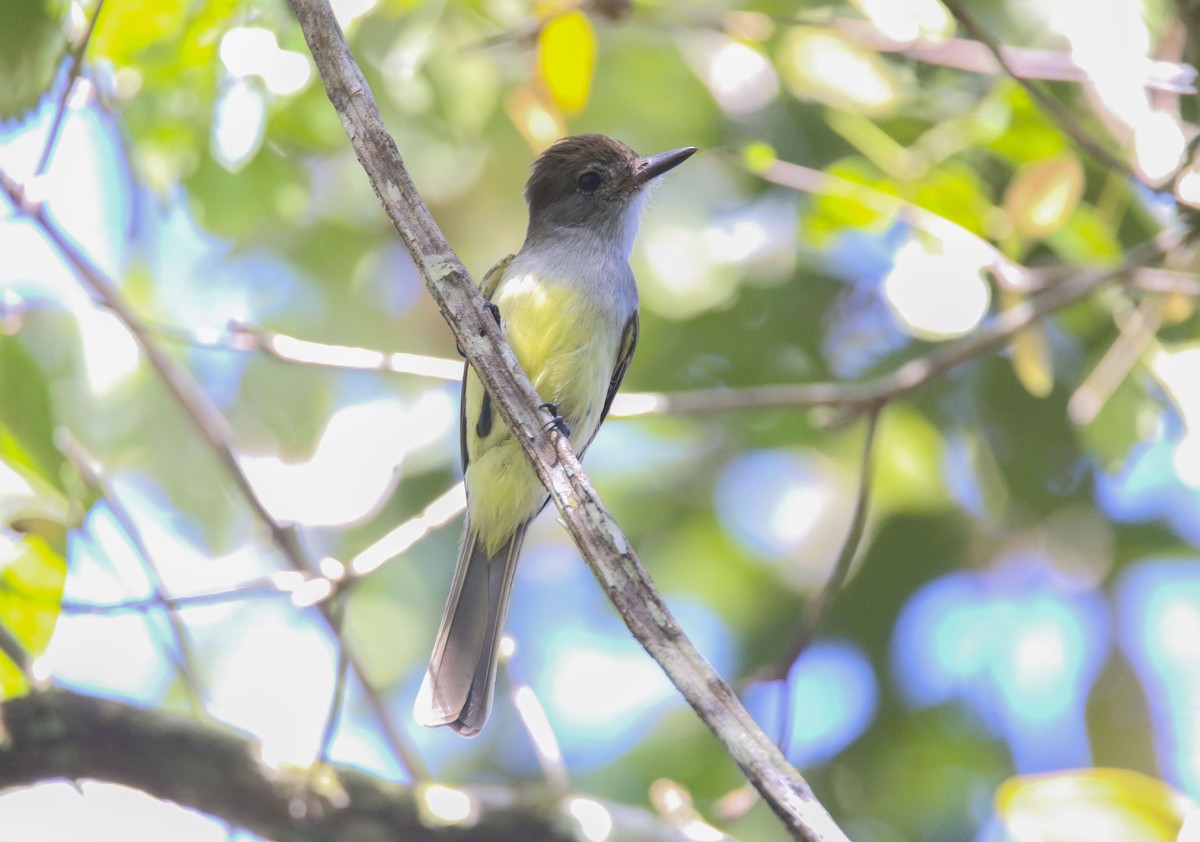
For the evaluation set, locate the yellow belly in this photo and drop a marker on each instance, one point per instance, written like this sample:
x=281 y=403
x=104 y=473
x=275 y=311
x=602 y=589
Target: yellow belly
x=567 y=346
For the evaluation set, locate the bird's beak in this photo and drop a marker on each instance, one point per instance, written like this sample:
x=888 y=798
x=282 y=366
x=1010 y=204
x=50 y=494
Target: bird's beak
x=654 y=166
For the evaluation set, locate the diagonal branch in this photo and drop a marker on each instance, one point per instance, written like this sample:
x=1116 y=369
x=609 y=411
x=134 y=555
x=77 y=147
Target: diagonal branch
x=60 y=110
x=600 y=540
x=1052 y=109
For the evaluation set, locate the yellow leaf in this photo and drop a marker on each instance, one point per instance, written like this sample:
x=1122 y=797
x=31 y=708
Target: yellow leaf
x=1031 y=360
x=1178 y=308
x=567 y=59
x=31 y=584
x=1083 y=805
x=758 y=157
x=1043 y=195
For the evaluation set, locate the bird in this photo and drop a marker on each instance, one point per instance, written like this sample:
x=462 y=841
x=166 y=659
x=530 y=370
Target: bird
x=567 y=303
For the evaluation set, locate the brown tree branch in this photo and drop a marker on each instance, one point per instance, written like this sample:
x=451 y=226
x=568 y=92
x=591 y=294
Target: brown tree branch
x=58 y=734
x=600 y=540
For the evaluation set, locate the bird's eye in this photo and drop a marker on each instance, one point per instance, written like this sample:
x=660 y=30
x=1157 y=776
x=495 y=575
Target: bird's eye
x=589 y=182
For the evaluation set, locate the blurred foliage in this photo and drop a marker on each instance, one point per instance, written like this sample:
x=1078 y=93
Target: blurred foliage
x=243 y=201
x=1094 y=804
x=31 y=44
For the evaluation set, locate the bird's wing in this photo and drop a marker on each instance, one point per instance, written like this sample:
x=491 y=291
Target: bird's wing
x=488 y=288
x=629 y=340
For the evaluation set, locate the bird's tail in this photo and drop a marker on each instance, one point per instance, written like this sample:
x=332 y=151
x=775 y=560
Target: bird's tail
x=458 y=686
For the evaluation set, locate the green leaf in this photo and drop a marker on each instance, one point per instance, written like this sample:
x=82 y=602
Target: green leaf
x=26 y=418
x=31 y=43
x=1115 y=429
x=31 y=584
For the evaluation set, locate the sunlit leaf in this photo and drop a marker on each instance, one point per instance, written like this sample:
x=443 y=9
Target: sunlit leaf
x=1031 y=359
x=26 y=417
x=1178 y=308
x=830 y=213
x=955 y=191
x=908 y=464
x=1030 y=134
x=820 y=65
x=1089 y=804
x=31 y=583
x=125 y=29
x=567 y=59
x=1042 y=196
x=758 y=157
x=1087 y=237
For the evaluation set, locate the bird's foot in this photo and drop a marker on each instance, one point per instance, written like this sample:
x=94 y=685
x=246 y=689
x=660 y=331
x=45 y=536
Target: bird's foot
x=557 y=422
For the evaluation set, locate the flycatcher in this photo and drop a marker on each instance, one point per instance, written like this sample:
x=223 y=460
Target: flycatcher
x=568 y=305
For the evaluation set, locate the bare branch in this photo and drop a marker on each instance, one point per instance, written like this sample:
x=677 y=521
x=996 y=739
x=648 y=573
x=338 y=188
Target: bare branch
x=1023 y=62
x=817 y=610
x=93 y=475
x=58 y=734
x=60 y=110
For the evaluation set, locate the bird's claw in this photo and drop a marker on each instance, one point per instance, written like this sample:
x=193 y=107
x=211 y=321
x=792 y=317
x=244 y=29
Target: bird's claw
x=557 y=422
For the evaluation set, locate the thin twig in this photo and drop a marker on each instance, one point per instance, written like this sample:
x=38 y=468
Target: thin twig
x=92 y=474
x=301 y=351
x=1052 y=109
x=1023 y=62
x=816 y=612
x=213 y=428
x=818 y=609
x=255 y=590
x=1137 y=330
x=338 y=699
x=73 y=72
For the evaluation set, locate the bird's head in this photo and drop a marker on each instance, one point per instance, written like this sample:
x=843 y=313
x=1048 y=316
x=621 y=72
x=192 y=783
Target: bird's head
x=595 y=182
